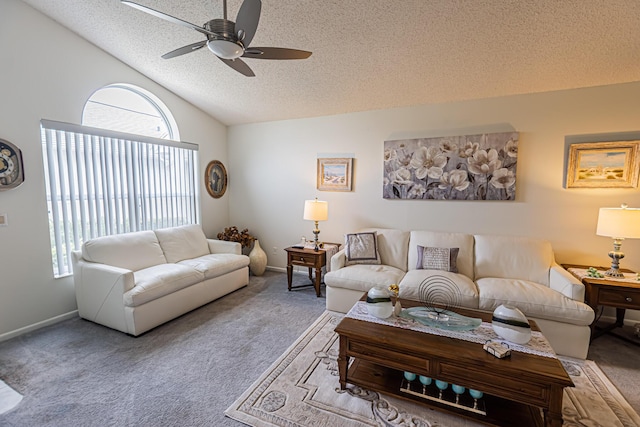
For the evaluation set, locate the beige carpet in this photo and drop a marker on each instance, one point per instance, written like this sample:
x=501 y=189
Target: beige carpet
x=301 y=389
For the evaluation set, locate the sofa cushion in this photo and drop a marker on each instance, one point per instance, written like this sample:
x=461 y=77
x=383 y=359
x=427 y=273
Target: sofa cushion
x=444 y=240
x=512 y=257
x=133 y=251
x=362 y=277
x=533 y=299
x=393 y=246
x=361 y=248
x=160 y=280
x=445 y=259
x=185 y=242
x=440 y=282
x=214 y=265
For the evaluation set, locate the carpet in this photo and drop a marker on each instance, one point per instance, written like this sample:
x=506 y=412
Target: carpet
x=9 y=398
x=301 y=389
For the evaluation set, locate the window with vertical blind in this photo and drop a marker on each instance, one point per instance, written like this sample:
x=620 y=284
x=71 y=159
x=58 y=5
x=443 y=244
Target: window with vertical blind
x=102 y=182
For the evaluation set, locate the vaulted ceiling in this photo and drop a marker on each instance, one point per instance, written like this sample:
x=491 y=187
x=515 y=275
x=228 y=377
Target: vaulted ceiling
x=370 y=54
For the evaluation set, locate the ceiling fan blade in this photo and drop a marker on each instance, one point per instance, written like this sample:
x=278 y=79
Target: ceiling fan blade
x=239 y=65
x=275 y=53
x=247 y=20
x=166 y=17
x=184 y=49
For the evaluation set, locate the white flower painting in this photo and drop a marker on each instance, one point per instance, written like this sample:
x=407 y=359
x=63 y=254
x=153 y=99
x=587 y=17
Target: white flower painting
x=469 y=167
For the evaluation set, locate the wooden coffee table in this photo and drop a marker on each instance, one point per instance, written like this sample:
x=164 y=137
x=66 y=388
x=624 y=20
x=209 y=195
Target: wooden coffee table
x=515 y=388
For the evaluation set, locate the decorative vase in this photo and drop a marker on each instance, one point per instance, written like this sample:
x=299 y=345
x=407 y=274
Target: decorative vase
x=379 y=302
x=397 y=308
x=257 y=259
x=511 y=324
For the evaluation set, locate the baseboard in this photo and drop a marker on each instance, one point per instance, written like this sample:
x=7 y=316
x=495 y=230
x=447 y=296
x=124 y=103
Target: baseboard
x=35 y=326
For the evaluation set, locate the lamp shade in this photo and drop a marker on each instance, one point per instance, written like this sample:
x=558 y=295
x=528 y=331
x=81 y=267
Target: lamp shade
x=619 y=223
x=316 y=210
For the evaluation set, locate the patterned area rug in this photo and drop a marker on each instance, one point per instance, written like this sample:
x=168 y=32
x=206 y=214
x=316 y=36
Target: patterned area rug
x=301 y=389
x=9 y=398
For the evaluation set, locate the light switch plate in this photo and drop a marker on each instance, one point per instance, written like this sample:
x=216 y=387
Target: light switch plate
x=3 y=220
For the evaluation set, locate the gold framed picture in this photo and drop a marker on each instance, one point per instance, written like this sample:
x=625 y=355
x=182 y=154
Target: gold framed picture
x=603 y=165
x=215 y=179
x=334 y=174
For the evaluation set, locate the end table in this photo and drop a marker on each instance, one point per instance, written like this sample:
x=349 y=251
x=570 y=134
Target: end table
x=310 y=258
x=610 y=292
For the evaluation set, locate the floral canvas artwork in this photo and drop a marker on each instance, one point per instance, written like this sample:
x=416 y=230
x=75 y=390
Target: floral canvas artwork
x=468 y=167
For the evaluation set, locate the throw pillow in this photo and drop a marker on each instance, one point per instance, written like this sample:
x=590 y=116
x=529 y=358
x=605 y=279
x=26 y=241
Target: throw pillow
x=438 y=259
x=362 y=248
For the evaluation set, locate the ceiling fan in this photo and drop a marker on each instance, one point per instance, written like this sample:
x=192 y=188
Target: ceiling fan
x=228 y=40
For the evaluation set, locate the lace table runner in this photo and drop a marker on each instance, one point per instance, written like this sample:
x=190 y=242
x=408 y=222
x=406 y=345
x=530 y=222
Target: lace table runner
x=483 y=333
x=628 y=277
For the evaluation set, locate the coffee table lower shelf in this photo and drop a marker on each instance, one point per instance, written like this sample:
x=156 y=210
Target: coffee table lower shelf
x=500 y=412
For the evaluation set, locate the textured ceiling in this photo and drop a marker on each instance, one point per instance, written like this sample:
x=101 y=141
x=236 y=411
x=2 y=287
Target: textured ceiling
x=370 y=54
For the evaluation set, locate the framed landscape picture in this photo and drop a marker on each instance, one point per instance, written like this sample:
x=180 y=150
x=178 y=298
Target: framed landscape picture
x=603 y=165
x=334 y=174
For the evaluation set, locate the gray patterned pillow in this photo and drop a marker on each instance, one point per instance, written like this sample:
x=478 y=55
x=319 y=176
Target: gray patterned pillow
x=362 y=248
x=445 y=259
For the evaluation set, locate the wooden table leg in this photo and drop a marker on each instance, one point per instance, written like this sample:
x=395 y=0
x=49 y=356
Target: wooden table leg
x=553 y=414
x=343 y=362
x=289 y=275
x=620 y=312
x=318 y=281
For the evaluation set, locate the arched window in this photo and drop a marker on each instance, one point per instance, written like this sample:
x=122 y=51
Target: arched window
x=122 y=170
x=127 y=108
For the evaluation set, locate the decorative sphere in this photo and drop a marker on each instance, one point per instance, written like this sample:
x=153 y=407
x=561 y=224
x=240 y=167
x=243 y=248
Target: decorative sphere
x=379 y=302
x=476 y=394
x=410 y=376
x=511 y=324
x=442 y=385
x=425 y=380
x=457 y=389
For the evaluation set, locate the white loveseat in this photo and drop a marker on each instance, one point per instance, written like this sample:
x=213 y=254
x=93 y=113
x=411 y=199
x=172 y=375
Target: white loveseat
x=136 y=281
x=492 y=270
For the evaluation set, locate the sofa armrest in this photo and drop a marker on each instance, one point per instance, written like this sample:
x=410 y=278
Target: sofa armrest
x=339 y=260
x=224 y=247
x=100 y=290
x=564 y=282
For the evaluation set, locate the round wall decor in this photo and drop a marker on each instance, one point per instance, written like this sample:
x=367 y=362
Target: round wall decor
x=215 y=179
x=11 y=171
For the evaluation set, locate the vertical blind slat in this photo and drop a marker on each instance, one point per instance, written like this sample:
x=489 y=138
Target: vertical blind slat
x=99 y=185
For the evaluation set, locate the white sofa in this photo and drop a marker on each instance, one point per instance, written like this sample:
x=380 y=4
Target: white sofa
x=492 y=270
x=136 y=281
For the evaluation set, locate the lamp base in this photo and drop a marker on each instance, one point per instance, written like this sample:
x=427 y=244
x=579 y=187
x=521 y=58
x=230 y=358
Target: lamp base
x=315 y=240
x=613 y=272
x=616 y=255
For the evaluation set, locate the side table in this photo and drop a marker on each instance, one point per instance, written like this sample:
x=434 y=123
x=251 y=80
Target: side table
x=310 y=258
x=609 y=292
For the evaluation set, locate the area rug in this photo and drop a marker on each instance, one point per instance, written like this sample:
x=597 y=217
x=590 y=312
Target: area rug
x=9 y=398
x=301 y=389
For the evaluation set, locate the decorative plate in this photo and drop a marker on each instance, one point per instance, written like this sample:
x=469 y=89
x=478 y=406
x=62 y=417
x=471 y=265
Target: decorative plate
x=442 y=319
x=215 y=179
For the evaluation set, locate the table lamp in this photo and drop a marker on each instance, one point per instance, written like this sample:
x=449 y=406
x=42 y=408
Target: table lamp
x=618 y=223
x=316 y=210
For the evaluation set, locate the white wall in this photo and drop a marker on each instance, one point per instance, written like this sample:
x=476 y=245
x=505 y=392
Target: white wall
x=47 y=72
x=274 y=171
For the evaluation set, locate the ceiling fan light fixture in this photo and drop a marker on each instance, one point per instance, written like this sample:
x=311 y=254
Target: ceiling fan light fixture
x=225 y=49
